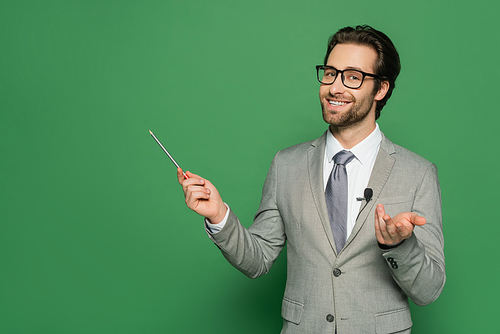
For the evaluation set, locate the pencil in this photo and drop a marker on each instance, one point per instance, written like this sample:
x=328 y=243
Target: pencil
x=165 y=150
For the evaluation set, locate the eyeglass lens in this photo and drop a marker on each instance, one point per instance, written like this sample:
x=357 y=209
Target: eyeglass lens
x=350 y=78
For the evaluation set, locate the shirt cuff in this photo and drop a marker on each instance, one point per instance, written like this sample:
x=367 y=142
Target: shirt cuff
x=387 y=247
x=216 y=228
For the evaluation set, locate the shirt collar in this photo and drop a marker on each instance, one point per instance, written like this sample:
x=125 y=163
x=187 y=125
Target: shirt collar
x=362 y=150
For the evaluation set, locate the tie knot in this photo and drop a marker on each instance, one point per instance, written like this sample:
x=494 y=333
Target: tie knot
x=343 y=157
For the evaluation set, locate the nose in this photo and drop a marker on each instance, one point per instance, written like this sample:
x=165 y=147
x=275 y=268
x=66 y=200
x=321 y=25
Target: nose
x=337 y=87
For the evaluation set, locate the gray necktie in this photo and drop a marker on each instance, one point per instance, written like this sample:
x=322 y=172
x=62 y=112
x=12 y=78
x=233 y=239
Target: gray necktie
x=336 y=198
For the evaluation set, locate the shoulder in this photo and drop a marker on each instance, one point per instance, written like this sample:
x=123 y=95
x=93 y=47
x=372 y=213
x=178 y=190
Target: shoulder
x=403 y=155
x=301 y=150
x=407 y=166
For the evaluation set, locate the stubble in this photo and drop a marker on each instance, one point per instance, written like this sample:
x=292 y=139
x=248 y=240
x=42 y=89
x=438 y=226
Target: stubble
x=358 y=111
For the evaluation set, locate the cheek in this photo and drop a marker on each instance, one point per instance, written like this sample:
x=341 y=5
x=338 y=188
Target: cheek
x=324 y=91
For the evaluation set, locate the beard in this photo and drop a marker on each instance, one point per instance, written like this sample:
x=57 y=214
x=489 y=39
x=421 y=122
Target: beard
x=357 y=112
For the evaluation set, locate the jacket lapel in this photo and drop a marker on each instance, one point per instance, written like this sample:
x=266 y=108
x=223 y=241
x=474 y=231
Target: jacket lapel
x=381 y=170
x=315 y=156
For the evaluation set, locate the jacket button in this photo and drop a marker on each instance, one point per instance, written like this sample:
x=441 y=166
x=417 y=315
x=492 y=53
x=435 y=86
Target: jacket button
x=330 y=318
x=337 y=272
x=392 y=262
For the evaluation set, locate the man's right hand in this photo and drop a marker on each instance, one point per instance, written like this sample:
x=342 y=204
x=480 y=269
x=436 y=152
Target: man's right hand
x=202 y=197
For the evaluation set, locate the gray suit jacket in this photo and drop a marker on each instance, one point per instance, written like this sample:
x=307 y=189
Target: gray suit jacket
x=363 y=289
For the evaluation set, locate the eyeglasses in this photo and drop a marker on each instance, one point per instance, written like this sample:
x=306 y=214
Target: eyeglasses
x=350 y=78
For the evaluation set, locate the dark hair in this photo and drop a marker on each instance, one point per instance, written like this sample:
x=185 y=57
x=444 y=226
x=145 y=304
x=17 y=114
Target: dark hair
x=387 y=66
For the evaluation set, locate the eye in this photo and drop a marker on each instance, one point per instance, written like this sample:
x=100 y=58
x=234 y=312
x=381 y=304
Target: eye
x=354 y=76
x=330 y=72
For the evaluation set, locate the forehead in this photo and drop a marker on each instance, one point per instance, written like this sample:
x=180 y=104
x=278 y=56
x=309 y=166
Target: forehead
x=360 y=57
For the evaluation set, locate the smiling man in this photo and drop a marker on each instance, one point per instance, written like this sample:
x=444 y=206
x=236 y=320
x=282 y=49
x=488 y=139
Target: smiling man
x=361 y=216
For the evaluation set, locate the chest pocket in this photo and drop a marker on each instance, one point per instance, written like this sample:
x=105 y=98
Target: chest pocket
x=396 y=204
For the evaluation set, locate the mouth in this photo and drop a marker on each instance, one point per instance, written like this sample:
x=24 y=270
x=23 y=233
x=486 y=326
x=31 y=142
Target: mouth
x=337 y=103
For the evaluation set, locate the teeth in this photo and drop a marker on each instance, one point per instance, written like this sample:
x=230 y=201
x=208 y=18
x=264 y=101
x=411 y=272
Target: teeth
x=335 y=103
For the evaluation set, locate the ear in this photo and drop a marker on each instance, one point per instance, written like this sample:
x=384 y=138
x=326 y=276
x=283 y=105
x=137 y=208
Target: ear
x=384 y=88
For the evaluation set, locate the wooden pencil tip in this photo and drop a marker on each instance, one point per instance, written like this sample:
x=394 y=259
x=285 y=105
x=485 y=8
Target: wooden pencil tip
x=150 y=132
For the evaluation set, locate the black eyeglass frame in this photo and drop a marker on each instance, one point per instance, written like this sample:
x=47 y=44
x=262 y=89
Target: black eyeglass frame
x=323 y=67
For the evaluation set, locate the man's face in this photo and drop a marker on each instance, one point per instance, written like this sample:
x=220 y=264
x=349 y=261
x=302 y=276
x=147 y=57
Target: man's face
x=342 y=106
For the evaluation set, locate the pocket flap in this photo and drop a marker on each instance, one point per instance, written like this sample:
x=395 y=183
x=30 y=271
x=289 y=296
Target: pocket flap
x=292 y=311
x=394 y=199
x=393 y=321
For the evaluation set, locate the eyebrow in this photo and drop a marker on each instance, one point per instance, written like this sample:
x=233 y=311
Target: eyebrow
x=354 y=68
x=348 y=68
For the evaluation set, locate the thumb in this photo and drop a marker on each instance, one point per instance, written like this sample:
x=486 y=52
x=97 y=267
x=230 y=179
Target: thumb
x=180 y=175
x=417 y=220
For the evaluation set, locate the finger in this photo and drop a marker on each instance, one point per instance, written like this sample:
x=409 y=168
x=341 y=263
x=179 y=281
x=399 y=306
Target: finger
x=378 y=222
x=388 y=230
x=378 y=235
x=197 y=188
x=194 y=196
x=190 y=175
x=381 y=209
x=411 y=218
x=191 y=185
x=195 y=192
x=417 y=220
x=383 y=220
x=388 y=227
x=391 y=228
x=404 y=231
x=192 y=179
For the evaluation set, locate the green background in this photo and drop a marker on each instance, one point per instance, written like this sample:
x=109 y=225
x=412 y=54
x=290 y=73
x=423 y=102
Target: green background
x=94 y=233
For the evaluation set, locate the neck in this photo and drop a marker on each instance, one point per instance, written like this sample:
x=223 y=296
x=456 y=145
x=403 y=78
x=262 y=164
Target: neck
x=350 y=136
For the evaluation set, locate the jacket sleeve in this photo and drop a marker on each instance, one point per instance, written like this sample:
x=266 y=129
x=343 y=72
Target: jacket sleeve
x=418 y=265
x=254 y=250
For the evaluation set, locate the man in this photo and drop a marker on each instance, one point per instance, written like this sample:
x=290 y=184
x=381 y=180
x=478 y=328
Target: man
x=361 y=216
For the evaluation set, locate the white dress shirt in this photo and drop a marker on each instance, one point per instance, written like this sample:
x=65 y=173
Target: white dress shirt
x=358 y=173
x=358 y=170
